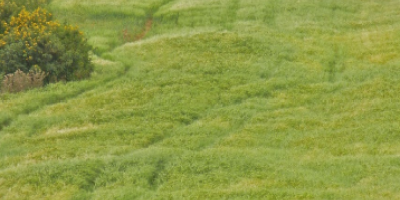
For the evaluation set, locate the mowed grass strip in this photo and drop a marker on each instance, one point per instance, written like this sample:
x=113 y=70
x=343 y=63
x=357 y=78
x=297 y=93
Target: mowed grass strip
x=220 y=100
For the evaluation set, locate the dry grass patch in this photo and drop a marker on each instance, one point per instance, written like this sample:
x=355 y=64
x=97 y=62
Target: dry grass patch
x=19 y=81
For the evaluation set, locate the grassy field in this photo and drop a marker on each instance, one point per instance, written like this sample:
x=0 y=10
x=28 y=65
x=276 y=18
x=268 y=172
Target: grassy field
x=215 y=99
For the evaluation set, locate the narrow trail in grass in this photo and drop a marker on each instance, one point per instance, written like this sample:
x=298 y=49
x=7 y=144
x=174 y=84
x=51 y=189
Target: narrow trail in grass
x=51 y=102
x=146 y=29
x=149 y=23
x=56 y=99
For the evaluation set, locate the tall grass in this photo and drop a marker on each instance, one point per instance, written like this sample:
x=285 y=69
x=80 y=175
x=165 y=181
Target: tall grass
x=219 y=100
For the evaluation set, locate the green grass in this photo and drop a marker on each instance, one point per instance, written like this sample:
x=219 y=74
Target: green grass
x=232 y=99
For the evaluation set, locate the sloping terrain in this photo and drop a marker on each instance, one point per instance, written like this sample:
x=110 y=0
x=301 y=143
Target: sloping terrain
x=219 y=99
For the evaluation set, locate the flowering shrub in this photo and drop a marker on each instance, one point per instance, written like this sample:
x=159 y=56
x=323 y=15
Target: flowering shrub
x=33 y=39
x=9 y=8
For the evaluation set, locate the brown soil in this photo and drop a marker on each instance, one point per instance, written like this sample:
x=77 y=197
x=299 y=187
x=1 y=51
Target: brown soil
x=147 y=28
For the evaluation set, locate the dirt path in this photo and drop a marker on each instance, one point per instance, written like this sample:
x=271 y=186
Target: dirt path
x=147 y=28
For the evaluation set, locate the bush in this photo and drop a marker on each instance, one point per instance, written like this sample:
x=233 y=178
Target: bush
x=20 y=81
x=34 y=39
x=9 y=8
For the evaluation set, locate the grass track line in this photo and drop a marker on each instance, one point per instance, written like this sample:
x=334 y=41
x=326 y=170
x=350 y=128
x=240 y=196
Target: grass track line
x=53 y=101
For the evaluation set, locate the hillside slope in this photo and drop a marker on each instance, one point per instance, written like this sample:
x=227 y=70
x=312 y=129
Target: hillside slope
x=227 y=99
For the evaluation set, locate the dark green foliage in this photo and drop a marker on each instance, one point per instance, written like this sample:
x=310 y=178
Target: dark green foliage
x=74 y=60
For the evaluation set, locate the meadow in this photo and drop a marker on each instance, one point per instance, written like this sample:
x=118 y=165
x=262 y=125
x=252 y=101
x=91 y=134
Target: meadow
x=215 y=99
